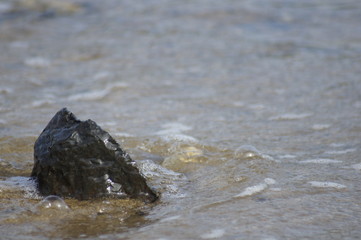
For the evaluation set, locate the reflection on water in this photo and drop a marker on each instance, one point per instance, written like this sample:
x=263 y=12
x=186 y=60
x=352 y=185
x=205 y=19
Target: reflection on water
x=243 y=115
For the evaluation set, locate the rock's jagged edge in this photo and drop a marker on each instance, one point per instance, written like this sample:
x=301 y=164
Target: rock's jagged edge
x=78 y=159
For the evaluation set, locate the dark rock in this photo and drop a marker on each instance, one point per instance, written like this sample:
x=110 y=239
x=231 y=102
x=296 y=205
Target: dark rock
x=74 y=158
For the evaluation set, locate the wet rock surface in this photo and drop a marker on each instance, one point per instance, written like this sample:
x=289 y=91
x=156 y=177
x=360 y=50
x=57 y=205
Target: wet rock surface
x=74 y=158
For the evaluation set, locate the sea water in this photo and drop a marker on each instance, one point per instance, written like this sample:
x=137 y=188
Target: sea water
x=243 y=115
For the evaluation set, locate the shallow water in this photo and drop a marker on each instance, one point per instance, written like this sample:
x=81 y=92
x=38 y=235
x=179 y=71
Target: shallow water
x=244 y=115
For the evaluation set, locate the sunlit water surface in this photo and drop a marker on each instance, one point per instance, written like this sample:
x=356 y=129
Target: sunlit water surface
x=243 y=115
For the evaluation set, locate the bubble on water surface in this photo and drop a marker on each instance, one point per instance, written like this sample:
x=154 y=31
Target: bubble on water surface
x=326 y=185
x=182 y=155
x=186 y=154
x=53 y=202
x=215 y=233
x=250 y=152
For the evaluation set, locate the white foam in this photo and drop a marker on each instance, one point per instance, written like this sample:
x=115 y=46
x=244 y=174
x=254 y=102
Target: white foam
x=40 y=103
x=174 y=132
x=327 y=185
x=173 y=128
x=21 y=183
x=249 y=191
x=123 y=134
x=117 y=85
x=287 y=156
x=96 y=94
x=38 y=62
x=319 y=127
x=336 y=145
x=340 y=152
x=269 y=181
x=92 y=95
x=215 y=233
x=356 y=166
x=153 y=170
x=291 y=116
x=179 y=137
x=162 y=179
x=321 y=161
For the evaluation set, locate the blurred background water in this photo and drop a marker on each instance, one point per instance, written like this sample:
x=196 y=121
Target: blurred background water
x=244 y=115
